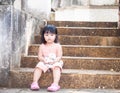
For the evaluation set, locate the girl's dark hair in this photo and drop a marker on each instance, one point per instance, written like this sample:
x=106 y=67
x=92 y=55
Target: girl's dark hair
x=51 y=29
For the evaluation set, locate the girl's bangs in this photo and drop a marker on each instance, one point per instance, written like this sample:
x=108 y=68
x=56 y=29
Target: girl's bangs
x=49 y=31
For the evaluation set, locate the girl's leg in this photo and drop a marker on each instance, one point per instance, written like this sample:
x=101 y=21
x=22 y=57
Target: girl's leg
x=37 y=74
x=56 y=75
x=55 y=85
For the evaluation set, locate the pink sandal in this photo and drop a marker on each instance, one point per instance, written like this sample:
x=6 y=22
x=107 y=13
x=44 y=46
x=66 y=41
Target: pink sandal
x=34 y=86
x=53 y=88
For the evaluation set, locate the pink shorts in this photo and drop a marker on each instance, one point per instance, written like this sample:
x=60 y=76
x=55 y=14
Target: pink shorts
x=45 y=67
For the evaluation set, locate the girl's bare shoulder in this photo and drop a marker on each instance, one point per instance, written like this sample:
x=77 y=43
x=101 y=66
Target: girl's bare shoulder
x=42 y=45
x=58 y=45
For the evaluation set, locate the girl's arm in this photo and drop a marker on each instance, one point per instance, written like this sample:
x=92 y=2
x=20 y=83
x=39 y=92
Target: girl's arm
x=59 y=53
x=40 y=55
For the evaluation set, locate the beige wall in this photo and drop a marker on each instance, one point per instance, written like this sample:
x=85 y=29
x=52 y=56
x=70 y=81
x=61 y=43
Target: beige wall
x=66 y=3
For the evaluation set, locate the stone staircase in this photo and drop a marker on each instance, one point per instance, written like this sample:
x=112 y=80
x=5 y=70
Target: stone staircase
x=90 y=53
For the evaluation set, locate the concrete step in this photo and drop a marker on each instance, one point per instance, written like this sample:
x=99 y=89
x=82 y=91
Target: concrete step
x=70 y=79
x=90 y=63
x=27 y=90
x=82 y=24
x=88 y=31
x=85 y=40
x=83 y=51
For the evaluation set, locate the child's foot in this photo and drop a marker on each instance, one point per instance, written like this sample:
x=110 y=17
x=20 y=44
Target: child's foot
x=34 y=86
x=53 y=88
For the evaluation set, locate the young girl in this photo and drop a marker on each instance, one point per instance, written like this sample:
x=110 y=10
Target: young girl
x=50 y=54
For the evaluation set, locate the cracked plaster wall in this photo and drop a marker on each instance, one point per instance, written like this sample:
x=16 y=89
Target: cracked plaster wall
x=18 y=25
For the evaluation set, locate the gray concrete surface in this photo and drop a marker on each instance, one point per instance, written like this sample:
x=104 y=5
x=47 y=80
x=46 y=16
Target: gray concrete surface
x=26 y=90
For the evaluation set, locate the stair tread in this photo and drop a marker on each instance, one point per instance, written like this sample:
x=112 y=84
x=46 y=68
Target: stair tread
x=85 y=40
x=83 y=46
x=91 y=46
x=88 y=27
x=86 y=36
x=75 y=71
x=82 y=24
x=79 y=57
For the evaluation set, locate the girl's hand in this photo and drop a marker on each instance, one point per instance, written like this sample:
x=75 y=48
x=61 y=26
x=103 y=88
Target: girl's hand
x=45 y=61
x=57 y=59
x=49 y=62
x=52 y=62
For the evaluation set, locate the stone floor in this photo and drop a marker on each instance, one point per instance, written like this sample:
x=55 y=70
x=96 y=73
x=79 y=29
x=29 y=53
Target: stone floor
x=25 y=90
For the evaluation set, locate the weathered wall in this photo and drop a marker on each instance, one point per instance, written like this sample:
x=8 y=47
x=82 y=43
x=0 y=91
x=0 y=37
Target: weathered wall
x=5 y=41
x=18 y=25
x=10 y=39
x=66 y=3
x=38 y=8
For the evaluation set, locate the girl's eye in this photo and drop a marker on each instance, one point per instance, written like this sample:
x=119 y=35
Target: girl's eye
x=46 y=34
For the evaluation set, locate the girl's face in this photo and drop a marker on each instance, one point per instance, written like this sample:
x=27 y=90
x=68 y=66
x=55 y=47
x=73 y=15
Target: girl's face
x=49 y=37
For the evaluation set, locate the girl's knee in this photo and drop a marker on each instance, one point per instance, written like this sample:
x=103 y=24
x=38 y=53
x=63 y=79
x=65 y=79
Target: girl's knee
x=38 y=69
x=56 y=68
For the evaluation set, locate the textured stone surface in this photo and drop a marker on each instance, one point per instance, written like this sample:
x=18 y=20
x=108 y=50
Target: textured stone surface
x=6 y=2
x=5 y=43
x=69 y=79
x=82 y=24
x=88 y=31
x=111 y=64
x=56 y=4
x=83 y=51
x=85 y=40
